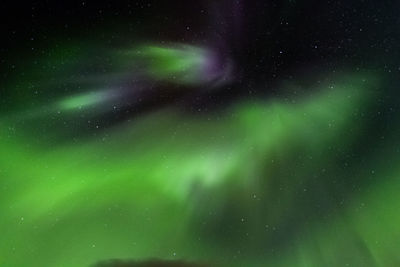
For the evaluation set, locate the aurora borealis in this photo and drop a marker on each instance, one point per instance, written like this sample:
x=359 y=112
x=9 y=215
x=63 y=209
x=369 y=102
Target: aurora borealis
x=208 y=133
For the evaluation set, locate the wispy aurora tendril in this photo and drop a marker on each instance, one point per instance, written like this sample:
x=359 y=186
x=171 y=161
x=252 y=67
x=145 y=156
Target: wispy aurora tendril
x=179 y=63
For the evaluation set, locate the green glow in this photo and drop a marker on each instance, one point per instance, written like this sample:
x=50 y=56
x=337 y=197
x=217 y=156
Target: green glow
x=142 y=189
x=83 y=100
x=177 y=64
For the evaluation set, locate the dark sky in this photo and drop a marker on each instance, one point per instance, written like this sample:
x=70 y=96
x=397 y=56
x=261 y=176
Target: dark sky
x=274 y=34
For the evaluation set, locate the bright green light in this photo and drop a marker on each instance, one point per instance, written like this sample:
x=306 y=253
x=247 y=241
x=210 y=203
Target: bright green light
x=178 y=64
x=143 y=188
x=83 y=100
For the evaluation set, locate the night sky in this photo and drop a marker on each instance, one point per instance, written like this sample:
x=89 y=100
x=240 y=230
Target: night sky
x=200 y=133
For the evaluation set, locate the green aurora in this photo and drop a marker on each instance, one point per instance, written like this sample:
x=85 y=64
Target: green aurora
x=261 y=182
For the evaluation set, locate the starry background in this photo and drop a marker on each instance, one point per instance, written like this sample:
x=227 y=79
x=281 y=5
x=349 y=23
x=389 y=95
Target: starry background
x=199 y=133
